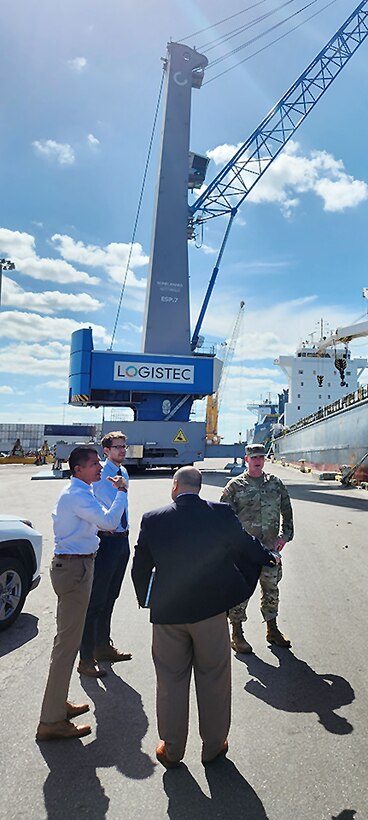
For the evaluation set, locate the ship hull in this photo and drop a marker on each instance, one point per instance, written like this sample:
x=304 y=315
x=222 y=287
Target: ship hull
x=332 y=441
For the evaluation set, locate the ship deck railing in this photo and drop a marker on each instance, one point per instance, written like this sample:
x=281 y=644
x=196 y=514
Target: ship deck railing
x=359 y=395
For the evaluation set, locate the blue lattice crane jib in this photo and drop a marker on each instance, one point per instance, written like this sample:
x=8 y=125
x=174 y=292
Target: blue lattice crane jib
x=234 y=182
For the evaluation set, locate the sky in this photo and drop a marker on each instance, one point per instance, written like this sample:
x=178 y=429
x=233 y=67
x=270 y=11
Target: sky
x=80 y=83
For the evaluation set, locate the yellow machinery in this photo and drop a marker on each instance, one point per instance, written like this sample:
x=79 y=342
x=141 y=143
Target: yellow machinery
x=214 y=401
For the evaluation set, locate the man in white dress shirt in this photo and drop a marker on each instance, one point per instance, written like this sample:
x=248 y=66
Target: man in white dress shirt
x=110 y=565
x=76 y=519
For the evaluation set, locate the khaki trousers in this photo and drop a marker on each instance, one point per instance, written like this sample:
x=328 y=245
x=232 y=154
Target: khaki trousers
x=176 y=650
x=71 y=578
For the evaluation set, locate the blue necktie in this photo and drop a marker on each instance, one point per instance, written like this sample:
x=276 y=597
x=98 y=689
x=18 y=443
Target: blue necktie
x=124 y=521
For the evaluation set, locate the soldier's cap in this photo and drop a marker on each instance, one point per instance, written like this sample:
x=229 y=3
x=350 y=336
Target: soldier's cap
x=255 y=450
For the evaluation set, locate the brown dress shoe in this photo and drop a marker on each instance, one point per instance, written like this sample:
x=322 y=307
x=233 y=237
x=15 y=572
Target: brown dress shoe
x=92 y=669
x=222 y=753
x=110 y=653
x=73 y=709
x=60 y=730
x=162 y=757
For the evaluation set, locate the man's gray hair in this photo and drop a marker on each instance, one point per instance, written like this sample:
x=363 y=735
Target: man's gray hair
x=189 y=477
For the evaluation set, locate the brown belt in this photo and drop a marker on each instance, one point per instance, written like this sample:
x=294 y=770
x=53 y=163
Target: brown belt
x=74 y=555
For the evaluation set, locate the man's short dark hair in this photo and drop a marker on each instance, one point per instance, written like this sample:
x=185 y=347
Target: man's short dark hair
x=79 y=457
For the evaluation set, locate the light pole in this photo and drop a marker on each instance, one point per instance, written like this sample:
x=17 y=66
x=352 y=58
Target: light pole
x=5 y=264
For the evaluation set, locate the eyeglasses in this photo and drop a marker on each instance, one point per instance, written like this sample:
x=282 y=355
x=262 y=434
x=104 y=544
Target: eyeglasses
x=118 y=447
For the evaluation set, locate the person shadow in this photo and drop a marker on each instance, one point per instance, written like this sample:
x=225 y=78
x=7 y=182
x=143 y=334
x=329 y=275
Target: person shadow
x=346 y=814
x=294 y=686
x=72 y=788
x=231 y=794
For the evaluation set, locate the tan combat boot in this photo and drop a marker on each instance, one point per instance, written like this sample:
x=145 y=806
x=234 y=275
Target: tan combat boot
x=273 y=635
x=238 y=642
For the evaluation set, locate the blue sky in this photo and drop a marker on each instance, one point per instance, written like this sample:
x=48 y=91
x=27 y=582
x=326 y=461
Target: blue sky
x=79 y=88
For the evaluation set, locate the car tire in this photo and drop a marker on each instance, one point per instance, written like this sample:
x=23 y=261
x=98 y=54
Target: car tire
x=13 y=590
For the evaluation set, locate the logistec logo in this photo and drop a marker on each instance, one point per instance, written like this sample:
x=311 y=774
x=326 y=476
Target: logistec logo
x=153 y=372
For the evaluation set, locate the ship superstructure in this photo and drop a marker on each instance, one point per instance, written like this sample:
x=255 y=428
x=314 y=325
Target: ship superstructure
x=317 y=379
x=268 y=413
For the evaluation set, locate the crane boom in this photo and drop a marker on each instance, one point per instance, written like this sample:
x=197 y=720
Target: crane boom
x=344 y=334
x=236 y=180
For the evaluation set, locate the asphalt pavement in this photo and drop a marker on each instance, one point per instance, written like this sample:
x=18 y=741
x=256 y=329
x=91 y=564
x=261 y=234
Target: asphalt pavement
x=298 y=742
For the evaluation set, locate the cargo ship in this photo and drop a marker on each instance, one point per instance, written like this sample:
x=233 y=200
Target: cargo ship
x=268 y=413
x=325 y=420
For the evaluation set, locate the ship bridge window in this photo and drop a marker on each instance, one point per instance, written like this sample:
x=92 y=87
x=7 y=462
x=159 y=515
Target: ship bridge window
x=298 y=407
x=300 y=371
x=301 y=384
x=319 y=396
x=348 y=373
x=298 y=395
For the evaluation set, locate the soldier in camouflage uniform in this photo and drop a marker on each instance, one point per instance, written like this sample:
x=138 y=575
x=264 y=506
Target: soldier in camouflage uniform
x=259 y=500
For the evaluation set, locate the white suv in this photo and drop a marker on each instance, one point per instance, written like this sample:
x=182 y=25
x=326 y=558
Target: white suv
x=20 y=558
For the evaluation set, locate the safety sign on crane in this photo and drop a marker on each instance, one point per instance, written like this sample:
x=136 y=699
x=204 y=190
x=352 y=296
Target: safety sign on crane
x=180 y=438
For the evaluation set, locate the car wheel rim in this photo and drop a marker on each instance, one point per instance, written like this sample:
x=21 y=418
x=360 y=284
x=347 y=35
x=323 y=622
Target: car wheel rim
x=10 y=593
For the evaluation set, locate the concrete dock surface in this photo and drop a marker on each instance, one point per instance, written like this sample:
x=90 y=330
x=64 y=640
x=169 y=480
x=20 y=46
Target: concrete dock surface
x=298 y=742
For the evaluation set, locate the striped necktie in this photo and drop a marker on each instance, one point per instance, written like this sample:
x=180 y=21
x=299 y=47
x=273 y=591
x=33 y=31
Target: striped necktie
x=124 y=520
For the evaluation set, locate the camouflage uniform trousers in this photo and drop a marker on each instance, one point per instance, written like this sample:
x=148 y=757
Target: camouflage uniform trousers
x=269 y=580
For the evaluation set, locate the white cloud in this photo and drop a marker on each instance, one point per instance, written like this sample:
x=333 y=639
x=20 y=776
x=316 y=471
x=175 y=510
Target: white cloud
x=20 y=247
x=54 y=270
x=132 y=328
x=342 y=193
x=35 y=359
x=292 y=174
x=223 y=153
x=4 y=389
x=62 y=152
x=35 y=328
x=93 y=140
x=275 y=331
x=113 y=258
x=55 y=384
x=16 y=244
x=208 y=249
x=78 y=63
x=113 y=255
x=46 y=301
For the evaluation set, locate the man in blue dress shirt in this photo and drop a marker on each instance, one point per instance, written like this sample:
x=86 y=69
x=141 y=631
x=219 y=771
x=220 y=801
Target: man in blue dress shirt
x=110 y=565
x=76 y=519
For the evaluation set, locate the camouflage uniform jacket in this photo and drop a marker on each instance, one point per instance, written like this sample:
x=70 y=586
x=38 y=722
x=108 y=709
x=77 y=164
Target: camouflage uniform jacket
x=259 y=506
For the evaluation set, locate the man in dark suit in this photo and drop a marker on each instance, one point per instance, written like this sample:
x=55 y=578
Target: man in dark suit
x=203 y=563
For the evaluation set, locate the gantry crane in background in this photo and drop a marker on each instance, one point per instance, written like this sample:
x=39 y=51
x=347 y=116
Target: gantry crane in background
x=214 y=401
x=161 y=383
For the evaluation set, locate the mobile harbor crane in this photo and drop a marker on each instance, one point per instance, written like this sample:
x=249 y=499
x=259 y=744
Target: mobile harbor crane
x=161 y=383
